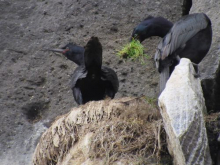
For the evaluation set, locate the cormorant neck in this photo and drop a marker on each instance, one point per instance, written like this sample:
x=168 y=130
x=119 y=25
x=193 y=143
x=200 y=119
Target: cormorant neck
x=93 y=54
x=160 y=28
x=76 y=55
x=76 y=58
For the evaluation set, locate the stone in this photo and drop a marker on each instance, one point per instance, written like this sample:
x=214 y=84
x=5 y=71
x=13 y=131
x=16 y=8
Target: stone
x=210 y=66
x=182 y=107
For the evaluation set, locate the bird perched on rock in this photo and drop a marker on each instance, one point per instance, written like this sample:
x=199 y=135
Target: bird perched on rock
x=90 y=81
x=151 y=26
x=190 y=37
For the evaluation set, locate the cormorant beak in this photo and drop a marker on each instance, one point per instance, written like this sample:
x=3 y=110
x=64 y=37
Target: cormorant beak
x=60 y=51
x=135 y=37
x=56 y=50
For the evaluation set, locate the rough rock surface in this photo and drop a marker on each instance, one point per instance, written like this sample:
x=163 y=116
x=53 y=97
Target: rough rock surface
x=210 y=66
x=213 y=129
x=182 y=106
x=120 y=131
x=35 y=84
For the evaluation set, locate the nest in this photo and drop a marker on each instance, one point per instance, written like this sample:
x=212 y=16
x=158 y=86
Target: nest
x=126 y=130
x=134 y=141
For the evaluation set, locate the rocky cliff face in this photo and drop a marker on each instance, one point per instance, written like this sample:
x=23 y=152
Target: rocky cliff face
x=35 y=84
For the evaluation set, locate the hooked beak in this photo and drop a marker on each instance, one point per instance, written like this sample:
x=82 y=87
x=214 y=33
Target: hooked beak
x=55 y=50
x=60 y=52
x=135 y=37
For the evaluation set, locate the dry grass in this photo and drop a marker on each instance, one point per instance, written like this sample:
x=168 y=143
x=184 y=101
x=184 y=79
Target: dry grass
x=126 y=130
x=124 y=139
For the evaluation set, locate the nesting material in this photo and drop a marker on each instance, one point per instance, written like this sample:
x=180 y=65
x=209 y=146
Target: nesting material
x=133 y=50
x=123 y=131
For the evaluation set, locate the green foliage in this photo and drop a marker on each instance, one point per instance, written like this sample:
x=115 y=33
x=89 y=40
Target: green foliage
x=133 y=50
x=151 y=101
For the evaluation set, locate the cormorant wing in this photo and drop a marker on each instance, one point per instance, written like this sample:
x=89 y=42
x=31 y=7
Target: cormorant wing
x=79 y=73
x=109 y=74
x=182 y=31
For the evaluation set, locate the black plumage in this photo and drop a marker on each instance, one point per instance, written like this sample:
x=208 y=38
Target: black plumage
x=90 y=81
x=190 y=37
x=151 y=26
x=72 y=52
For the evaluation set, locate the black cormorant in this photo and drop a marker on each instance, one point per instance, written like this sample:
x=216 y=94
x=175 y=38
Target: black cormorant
x=151 y=26
x=190 y=37
x=90 y=81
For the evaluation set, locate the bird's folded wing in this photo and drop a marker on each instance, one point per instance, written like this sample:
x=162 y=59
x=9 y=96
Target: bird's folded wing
x=109 y=74
x=79 y=73
x=180 y=33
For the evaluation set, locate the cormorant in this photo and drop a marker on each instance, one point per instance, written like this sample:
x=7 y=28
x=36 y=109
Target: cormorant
x=90 y=81
x=190 y=37
x=151 y=26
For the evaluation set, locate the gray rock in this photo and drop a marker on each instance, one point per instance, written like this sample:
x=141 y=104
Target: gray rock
x=182 y=106
x=210 y=66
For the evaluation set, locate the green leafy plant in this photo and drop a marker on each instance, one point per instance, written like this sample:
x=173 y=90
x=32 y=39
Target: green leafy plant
x=133 y=50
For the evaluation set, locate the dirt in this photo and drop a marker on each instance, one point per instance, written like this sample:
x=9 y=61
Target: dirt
x=35 y=84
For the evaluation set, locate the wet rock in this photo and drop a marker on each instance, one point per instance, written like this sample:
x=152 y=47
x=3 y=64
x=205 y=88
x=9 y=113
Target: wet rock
x=183 y=107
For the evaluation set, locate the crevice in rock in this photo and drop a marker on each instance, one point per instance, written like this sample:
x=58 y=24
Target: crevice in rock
x=211 y=91
x=217 y=92
x=208 y=86
x=34 y=111
x=213 y=128
x=187 y=4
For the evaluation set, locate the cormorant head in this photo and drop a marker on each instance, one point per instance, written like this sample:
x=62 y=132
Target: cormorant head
x=140 y=33
x=151 y=26
x=72 y=52
x=93 y=54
